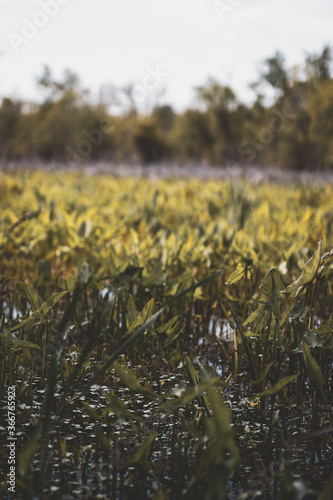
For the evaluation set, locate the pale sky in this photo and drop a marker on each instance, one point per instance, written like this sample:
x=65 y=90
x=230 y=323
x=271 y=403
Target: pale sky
x=115 y=41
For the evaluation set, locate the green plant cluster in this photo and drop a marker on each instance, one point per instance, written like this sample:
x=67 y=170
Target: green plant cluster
x=180 y=340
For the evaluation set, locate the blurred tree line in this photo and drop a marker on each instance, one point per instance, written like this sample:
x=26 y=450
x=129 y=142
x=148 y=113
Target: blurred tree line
x=294 y=129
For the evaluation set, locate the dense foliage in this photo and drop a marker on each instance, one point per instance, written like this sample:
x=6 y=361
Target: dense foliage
x=292 y=129
x=167 y=339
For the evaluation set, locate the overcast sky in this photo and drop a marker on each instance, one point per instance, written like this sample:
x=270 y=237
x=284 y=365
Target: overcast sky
x=115 y=41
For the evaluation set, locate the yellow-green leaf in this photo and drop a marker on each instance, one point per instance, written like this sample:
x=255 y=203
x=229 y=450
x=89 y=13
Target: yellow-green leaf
x=40 y=313
x=142 y=317
x=23 y=344
x=237 y=274
x=35 y=300
x=277 y=387
x=132 y=382
x=309 y=271
x=315 y=375
x=119 y=408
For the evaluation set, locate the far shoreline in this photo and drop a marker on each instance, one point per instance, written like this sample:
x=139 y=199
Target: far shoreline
x=229 y=172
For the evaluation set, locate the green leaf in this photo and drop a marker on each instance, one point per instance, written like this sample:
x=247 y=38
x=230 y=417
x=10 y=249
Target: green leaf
x=270 y=289
x=309 y=272
x=130 y=380
x=294 y=311
x=92 y=412
x=144 y=451
x=115 y=260
x=119 y=408
x=35 y=300
x=207 y=372
x=313 y=339
x=132 y=313
x=105 y=443
x=237 y=274
x=172 y=337
x=129 y=274
x=263 y=376
x=177 y=390
x=222 y=421
x=192 y=393
x=286 y=314
x=194 y=381
x=156 y=278
x=276 y=387
x=315 y=375
x=327 y=493
x=197 y=285
x=258 y=313
x=269 y=292
x=142 y=317
x=170 y=326
x=325 y=329
x=298 y=349
x=220 y=456
x=66 y=284
x=23 y=344
x=191 y=371
x=102 y=271
x=40 y=313
x=85 y=274
x=253 y=364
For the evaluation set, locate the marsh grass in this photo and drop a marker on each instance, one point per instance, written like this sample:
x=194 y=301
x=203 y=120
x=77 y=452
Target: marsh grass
x=157 y=352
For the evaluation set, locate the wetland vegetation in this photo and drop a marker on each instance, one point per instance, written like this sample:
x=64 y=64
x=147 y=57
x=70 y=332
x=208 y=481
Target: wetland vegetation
x=166 y=339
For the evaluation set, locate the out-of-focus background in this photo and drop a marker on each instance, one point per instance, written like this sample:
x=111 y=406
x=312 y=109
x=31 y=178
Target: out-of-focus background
x=190 y=82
